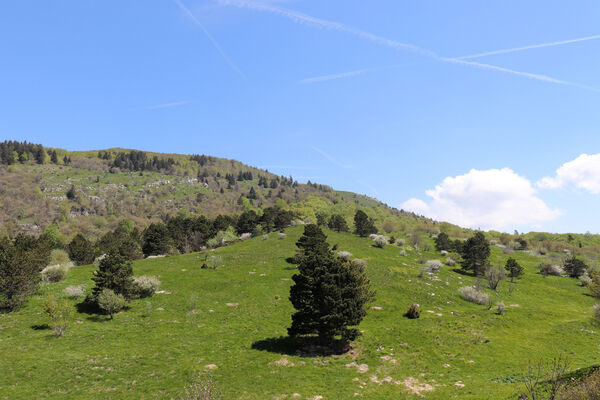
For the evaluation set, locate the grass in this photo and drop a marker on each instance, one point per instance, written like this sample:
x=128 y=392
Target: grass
x=236 y=316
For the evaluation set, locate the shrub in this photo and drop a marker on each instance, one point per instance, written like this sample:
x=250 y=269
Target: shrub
x=344 y=255
x=202 y=389
x=265 y=237
x=596 y=312
x=585 y=279
x=281 y=235
x=574 y=267
x=421 y=261
x=245 y=236
x=75 y=292
x=59 y=313
x=549 y=269
x=59 y=257
x=403 y=253
x=400 y=242
x=413 y=312
x=54 y=273
x=500 y=308
x=594 y=285
x=359 y=263
x=585 y=389
x=450 y=262
x=474 y=295
x=513 y=268
x=433 y=266
x=110 y=302
x=508 y=251
x=380 y=240
x=145 y=286
x=494 y=275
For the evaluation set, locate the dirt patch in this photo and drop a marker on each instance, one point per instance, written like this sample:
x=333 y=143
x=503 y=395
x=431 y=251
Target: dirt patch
x=360 y=368
x=459 y=384
x=377 y=308
x=211 y=366
x=415 y=387
x=232 y=304
x=283 y=362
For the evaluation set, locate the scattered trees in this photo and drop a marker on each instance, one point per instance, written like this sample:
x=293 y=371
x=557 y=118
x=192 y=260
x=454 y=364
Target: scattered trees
x=81 y=250
x=337 y=223
x=513 y=268
x=110 y=302
x=443 y=242
x=114 y=273
x=494 y=275
x=329 y=294
x=575 y=267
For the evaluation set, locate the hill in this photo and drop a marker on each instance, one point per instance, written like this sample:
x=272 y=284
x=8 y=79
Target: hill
x=231 y=322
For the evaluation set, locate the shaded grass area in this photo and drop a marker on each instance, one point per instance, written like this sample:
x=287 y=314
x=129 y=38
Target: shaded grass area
x=236 y=317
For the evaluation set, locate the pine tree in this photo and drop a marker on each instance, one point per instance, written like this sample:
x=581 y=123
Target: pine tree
x=329 y=295
x=338 y=223
x=54 y=157
x=363 y=225
x=513 y=268
x=114 y=273
x=575 y=267
x=443 y=242
x=81 y=250
x=475 y=253
x=157 y=240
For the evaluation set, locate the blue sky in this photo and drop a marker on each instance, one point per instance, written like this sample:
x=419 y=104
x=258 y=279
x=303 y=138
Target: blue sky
x=374 y=96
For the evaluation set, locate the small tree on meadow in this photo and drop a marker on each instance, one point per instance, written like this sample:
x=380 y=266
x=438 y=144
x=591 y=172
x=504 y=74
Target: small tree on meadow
x=329 y=294
x=110 y=302
x=575 y=267
x=337 y=223
x=114 y=273
x=513 y=268
x=363 y=225
x=443 y=242
x=475 y=253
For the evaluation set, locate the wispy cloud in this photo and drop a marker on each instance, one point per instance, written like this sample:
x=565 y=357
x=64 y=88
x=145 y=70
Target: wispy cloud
x=301 y=18
x=538 y=77
x=209 y=36
x=533 y=46
x=331 y=159
x=168 y=105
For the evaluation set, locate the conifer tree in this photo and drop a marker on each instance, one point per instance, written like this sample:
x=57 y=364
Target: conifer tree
x=475 y=253
x=20 y=266
x=443 y=242
x=81 y=250
x=329 y=295
x=513 y=268
x=338 y=223
x=363 y=225
x=114 y=273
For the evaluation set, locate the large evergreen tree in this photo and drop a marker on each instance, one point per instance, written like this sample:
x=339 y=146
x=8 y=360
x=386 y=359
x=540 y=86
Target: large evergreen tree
x=157 y=240
x=475 y=253
x=114 y=273
x=81 y=250
x=337 y=223
x=363 y=225
x=329 y=295
x=443 y=242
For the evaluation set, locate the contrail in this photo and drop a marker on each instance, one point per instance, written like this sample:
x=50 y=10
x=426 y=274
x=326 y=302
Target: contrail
x=304 y=18
x=324 y=78
x=167 y=105
x=538 y=77
x=533 y=46
x=209 y=36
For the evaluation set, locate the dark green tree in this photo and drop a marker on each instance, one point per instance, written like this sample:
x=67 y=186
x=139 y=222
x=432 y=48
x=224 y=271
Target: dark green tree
x=156 y=239
x=71 y=194
x=443 y=242
x=20 y=266
x=475 y=253
x=329 y=295
x=513 y=268
x=54 y=157
x=363 y=225
x=114 y=273
x=337 y=223
x=81 y=250
x=575 y=267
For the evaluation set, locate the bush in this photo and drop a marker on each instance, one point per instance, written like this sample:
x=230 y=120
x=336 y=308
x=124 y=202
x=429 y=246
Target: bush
x=59 y=257
x=59 y=313
x=202 y=389
x=500 y=308
x=400 y=242
x=549 y=269
x=413 y=312
x=474 y=295
x=380 y=241
x=344 y=255
x=359 y=263
x=494 y=275
x=54 y=273
x=585 y=389
x=433 y=266
x=265 y=237
x=403 y=253
x=574 y=267
x=245 y=236
x=110 y=303
x=450 y=262
x=596 y=313
x=585 y=279
x=145 y=286
x=594 y=285
x=281 y=235
x=75 y=292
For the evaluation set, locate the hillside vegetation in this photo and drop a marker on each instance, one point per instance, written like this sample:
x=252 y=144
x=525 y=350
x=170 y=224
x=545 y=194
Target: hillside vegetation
x=230 y=323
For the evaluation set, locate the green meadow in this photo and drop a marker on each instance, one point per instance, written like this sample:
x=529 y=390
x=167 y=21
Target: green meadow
x=230 y=323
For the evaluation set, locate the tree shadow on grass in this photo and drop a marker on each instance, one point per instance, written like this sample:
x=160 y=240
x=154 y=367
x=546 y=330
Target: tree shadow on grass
x=300 y=346
x=87 y=308
x=40 y=327
x=463 y=272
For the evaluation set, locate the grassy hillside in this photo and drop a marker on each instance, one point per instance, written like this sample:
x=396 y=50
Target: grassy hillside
x=231 y=322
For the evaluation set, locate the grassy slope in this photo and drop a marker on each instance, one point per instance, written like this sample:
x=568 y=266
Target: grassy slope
x=155 y=356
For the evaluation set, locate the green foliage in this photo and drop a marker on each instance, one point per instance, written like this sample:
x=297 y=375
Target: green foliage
x=81 y=250
x=114 y=273
x=60 y=313
x=110 y=302
x=443 y=242
x=575 y=267
x=513 y=268
x=53 y=237
x=145 y=286
x=337 y=223
x=363 y=225
x=157 y=240
x=413 y=312
x=59 y=257
x=19 y=273
x=475 y=253
x=329 y=294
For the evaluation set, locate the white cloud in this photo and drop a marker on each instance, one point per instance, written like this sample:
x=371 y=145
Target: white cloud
x=583 y=172
x=490 y=199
